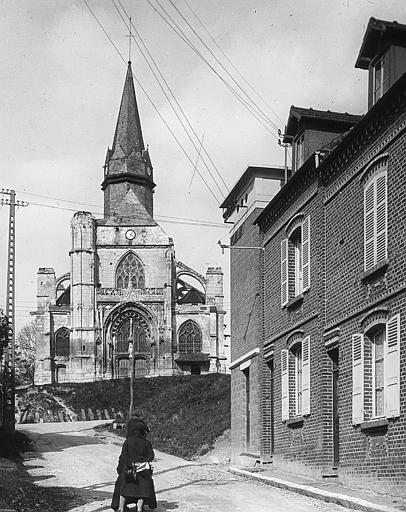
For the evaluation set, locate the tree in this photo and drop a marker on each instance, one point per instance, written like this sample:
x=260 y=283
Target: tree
x=25 y=354
x=4 y=333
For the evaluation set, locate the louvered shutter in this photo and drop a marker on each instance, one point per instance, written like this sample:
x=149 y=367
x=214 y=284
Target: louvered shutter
x=357 y=378
x=285 y=383
x=392 y=368
x=306 y=253
x=306 y=375
x=369 y=226
x=381 y=224
x=284 y=272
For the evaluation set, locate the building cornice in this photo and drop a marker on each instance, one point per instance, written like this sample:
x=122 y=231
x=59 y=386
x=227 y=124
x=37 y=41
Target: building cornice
x=358 y=139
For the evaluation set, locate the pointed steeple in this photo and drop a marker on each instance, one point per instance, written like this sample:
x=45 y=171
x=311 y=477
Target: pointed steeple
x=128 y=165
x=128 y=133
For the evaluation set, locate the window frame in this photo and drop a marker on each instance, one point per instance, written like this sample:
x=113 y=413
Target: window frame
x=297 y=352
x=197 y=341
x=380 y=328
x=139 y=273
x=299 y=151
x=376 y=215
x=295 y=259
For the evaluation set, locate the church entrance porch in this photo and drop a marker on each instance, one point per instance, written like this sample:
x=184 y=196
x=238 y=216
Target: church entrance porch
x=130 y=335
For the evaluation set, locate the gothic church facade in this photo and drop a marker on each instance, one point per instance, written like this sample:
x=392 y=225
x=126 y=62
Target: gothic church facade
x=127 y=304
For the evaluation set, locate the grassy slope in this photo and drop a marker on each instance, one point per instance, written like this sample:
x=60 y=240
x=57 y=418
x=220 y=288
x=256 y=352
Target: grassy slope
x=186 y=414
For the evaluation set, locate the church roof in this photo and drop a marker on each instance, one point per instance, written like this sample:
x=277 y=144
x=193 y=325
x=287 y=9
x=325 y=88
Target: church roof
x=128 y=134
x=192 y=296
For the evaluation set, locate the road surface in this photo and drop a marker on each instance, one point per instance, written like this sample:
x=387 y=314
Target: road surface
x=82 y=463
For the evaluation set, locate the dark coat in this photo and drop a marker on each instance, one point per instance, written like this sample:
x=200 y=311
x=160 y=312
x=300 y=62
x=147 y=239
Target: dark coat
x=137 y=448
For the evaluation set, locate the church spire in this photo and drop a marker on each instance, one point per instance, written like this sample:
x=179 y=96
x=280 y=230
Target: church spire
x=128 y=133
x=128 y=166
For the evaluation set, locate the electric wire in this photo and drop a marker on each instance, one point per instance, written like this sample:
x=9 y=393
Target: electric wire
x=231 y=62
x=172 y=94
x=166 y=95
x=150 y=100
x=158 y=217
x=231 y=89
x=223 y=67
x=186 y=222
x=162 y=218
x=257 y=114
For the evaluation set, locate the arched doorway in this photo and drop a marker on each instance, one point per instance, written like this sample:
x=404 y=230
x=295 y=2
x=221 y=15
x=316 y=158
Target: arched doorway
x=130 y=333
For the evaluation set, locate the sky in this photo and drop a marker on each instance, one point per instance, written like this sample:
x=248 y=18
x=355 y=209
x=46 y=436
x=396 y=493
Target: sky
x=61 y=85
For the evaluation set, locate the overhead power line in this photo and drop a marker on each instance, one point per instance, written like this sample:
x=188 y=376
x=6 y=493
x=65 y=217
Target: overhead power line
x=150 y=100
x=231 y=62
x=163 y=218
x=248 y=97
x=260 y=117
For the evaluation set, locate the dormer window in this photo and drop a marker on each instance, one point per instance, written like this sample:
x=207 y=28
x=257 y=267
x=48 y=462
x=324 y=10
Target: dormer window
x=380 y=78
x=299 y=152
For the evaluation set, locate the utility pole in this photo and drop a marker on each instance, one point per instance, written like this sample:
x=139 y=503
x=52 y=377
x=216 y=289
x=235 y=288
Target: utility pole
x=9 y=353
x=286 y=145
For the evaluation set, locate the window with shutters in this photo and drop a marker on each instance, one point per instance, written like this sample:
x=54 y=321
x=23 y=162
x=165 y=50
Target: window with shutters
x=375 y=215
x=295 y=260
x=376 y=372
x=295 y=379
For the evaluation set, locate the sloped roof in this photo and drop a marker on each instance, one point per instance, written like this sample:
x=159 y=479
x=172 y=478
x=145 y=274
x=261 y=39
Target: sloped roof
x=377 y=33
x=300 y=114
x=128 y=134
x=192 y=296
x=195 y=357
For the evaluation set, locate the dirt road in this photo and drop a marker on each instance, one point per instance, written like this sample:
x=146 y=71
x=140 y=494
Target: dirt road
x=81 y=463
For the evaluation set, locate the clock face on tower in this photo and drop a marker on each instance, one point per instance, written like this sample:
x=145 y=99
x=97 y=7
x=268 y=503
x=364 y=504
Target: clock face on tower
x=130 y=234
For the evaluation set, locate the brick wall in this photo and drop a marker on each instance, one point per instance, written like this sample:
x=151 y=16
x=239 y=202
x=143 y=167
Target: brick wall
x=341 y=301
x=246 y=335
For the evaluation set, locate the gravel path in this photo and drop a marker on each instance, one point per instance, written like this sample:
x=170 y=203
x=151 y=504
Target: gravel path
x=81 y=462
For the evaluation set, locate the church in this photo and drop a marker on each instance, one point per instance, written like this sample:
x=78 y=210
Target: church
x=127 y=304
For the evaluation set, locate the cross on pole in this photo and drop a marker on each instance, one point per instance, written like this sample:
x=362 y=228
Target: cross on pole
x=129 y=40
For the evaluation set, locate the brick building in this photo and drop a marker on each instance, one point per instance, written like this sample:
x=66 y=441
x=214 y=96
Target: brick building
x=332 y=355
x=126 y=294
x=249 y=196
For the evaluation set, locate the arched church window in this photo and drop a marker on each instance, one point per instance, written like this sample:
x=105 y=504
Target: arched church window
x=62 y=342
x=130 y=271
x=190 y=338
x=131 y=330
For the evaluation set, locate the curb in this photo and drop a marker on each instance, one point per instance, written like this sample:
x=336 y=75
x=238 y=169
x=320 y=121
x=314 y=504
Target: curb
x=314 y=492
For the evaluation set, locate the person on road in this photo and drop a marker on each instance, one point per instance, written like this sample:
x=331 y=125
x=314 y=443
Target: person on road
x=136 y=448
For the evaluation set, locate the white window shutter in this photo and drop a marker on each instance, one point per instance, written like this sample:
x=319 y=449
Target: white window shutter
x=285 y=383
x=369 y=226
x=357 y=378
x=284 y=272
x=306 y=375
x=392 y=368
x=381 y=216
x=306 y=253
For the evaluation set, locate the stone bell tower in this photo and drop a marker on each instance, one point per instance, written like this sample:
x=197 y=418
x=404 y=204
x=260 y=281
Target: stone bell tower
x=128 y=166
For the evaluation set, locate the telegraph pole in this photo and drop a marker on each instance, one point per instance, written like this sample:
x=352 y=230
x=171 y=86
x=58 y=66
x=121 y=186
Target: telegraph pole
x=9 y=353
